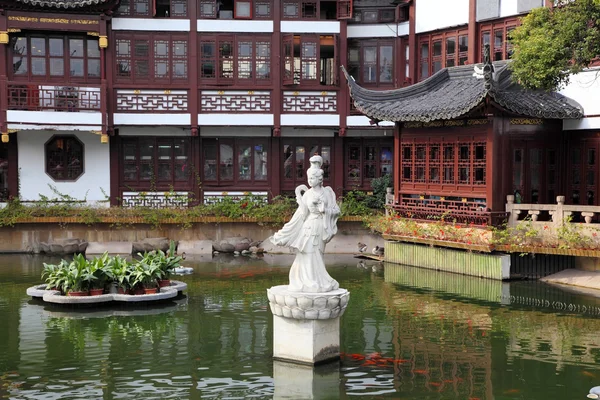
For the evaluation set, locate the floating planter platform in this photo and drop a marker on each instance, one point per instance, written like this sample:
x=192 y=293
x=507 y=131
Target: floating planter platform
x=55 y=297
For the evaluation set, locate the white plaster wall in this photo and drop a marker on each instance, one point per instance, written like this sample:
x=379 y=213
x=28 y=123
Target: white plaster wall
x=32 y=170
x=310 y=27
x=218 y=25
x=584 y=89
x=508 y=8
x=438 y=14
x=151 y=24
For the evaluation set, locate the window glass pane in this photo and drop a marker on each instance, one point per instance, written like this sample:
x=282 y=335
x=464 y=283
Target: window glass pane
x=386 y=57
x=76 y=67
x=165 y=172
x=450 y=46
x=242 y=9
x=300 y=162
x=290 y=10
x=262 y=10
x=226 y=162
x=263 y=64
x=288 y=161
x=370 y=54
x=463 y=44
x=93 y=50
x=260 y=162
x=326 y=154
x=182 y=172
x=38 y=66
x=424 y=50
x=210 y=162
x=94 y=68
x=57 y=67
x=56 y=47
x=76 y=48
x=369 y=16
x=19 y=50
x=437 y=48
x=244 y=163
x=38 y=46
x=161 y=48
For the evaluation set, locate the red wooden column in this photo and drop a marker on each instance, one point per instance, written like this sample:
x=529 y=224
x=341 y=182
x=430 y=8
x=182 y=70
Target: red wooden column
x=193 y=95
x=494 y=190
x=412 y=43
x=115 y=168
x=397 y=154
x=338 y=165
x=275 y=161
x=4 y=40
x=472 y=54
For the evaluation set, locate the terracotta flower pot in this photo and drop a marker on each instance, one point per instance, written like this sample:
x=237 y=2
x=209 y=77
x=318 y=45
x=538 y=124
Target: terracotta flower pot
x=150 y=290
x=81 y=293
x=164 y=282
x=96 y=292
x=122 y=291
x=137 y=291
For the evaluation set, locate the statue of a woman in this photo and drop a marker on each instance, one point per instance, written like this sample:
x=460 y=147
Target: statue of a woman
x=310 y=229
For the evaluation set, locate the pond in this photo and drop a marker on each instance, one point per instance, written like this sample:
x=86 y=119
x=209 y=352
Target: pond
x=407 y=333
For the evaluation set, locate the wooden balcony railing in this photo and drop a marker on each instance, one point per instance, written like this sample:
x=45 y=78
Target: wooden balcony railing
x=54 y=98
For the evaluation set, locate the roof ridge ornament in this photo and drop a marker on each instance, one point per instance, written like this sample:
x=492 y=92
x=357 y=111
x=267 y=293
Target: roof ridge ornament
x=487 y=71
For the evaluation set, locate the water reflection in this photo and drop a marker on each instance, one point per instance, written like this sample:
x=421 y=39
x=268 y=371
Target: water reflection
x=407 y=333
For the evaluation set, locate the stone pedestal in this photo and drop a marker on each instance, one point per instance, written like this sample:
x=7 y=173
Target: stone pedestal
x=306 y=326
x=295 y=381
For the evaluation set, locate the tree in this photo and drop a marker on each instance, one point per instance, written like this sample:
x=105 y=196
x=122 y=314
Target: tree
x=553 y=43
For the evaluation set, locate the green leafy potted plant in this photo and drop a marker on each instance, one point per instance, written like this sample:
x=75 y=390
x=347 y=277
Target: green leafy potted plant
x=120 y=270
x=98 y=268
x=78 y=277
x=55 y=276
x=167 y=262
x=145 y=274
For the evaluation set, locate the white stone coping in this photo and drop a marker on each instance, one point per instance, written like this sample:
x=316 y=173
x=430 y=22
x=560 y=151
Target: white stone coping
x=300 y=305
x=54 y=296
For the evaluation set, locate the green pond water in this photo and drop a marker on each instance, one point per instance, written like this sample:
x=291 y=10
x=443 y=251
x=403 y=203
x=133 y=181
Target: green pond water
x=407 y=333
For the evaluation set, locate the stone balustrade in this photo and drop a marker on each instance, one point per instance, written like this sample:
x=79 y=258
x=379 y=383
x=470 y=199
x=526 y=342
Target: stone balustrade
x=559 y=212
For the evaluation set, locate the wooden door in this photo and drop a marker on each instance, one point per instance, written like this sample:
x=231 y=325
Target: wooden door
x=534 y=176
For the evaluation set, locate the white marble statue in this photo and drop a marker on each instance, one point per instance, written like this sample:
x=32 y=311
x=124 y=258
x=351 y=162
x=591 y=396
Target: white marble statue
x=313 y=225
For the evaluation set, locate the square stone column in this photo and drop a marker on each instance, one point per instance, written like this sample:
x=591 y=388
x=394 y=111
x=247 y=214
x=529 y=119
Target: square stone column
x=295 y=381
x=306 y=326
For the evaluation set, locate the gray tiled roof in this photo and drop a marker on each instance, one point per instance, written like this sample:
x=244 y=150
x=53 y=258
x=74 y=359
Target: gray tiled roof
x=454 y=92
x=62 y=3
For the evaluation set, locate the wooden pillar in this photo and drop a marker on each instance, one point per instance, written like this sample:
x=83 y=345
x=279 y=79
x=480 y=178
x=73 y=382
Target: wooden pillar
x=196 y=154
x=338 y=165
x=494 y=191
x=104 y=91
x=275 y=160
x=115 y=168
x=344 y=93
x=193 y=95
x=472 y=31
x=275 y=166
x=397 y=154
x=412 y=43
x=3 y=71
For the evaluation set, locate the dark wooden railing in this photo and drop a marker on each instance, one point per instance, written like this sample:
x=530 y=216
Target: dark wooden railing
x=53 y=98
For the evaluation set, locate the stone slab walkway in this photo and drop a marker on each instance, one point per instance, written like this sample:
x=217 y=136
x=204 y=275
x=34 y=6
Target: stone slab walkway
x=577 y=279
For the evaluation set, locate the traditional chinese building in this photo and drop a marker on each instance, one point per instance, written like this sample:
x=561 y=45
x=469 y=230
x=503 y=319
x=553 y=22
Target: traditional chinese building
x=106 y=99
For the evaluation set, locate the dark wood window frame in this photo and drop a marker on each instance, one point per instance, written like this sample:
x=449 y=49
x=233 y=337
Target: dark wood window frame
x=22 y=51
x=442 y=50
x=151 y=158
x=153 y=8
x=455 y=163
x=303 y=62
x=313 y=10
x=258 y=9
x=235 y=60
x=496 y=34
x=366 y=159
x=380 y=15
x=244 y=169
x=296 y=153
x=151 y=58
x=360 y=68
x=64 y=158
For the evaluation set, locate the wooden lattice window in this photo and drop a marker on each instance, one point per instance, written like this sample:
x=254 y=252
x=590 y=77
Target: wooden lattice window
x=296 y=155
x=444 y=50
x=64 y=158
x=448 y=163
x=479 y=163
x=496 y=35
x=310 y=59
x=344 y=9
x=407 y=162
x=226 y=60
x=159 y=162
x=56 y=58
x=227 y=161
x=151 y=59
x=464 y=163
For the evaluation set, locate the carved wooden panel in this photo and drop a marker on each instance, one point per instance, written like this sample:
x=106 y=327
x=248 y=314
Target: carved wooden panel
x=306 y=102
x=151 y=100
x=155 y=199
x=217 y=197
x=53 y=98
x=232 y=101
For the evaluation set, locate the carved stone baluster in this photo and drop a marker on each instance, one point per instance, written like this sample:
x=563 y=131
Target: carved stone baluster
x=587 y=216
x=534 y=214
